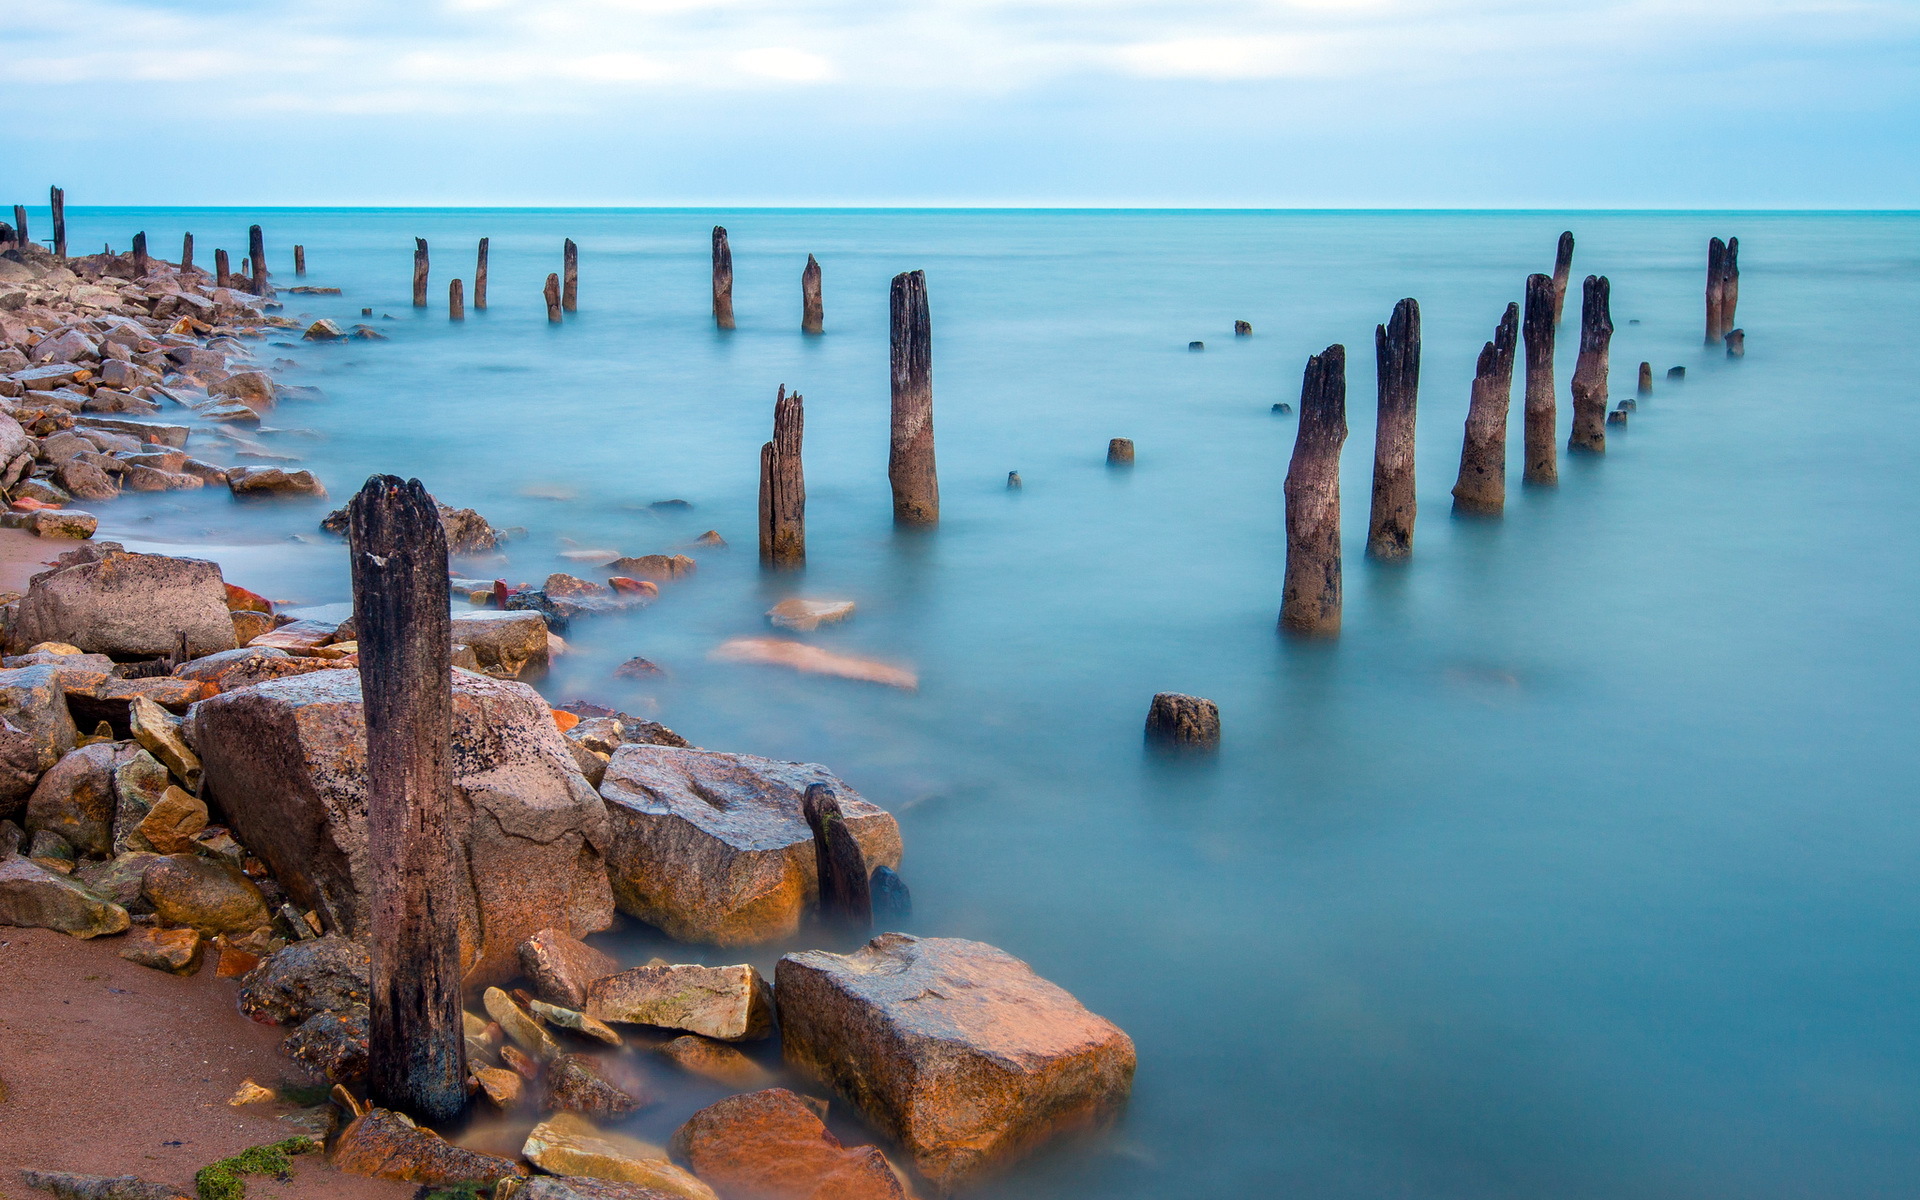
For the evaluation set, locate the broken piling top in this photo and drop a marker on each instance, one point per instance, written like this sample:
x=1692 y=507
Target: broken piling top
x=257 y=253
x=570 y=277
x=910 y=462
x=456 y=301
x=1178 y=721
x=1397 y=353
x=480 y=276
x=1542 y=406
x=783 y=487
x=299 y=259
x=722 y=279
x=1481 y=487
x=57 y=201
x=552 y=293
x=1311 y=600
x=420 y=272
x=1562 y=273
x=1120 y=452
x=812 y=312
x=1590 y=370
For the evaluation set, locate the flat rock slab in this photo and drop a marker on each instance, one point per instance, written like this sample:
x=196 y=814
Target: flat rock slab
x=712 y=847
x=805 y=615
x=561 y=966
x=35 y=897
x=770 y=1145
x=727 y=1003
x=388 y=1145
x=127 y=605
x=568 y=1144
x=953 y=1047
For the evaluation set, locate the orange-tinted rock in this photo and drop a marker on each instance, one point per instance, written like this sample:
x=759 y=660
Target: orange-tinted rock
x=388 y=1145
x=640 y=587
x=954 y=1048
x=655 y=568
x=239 y=599
x=561 y=966
x=770 y=1146
x=716 y=1061
x=248 y=625
x=727 y=1003
x=175 y=950
x=299 y=637
x=815 y=660
x=232 y=669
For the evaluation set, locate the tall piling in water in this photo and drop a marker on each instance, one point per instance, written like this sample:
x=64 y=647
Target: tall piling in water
x=140 y=255
x=570 y=277
x=1590 y=371
x=257 y=250
x=299 y=260
x=1310 y=599
x=222 y=275
x=812 y=315
x=910 y=464
x=783 y=487
x=1645 y=385
x=456 y=301
x=552 y=293
x=1396 y=347
x=1716 y=287
x=186 y=253
x=722 y=279
x=480 y=277
x=1481 y=488
x=1562 y=273
x=57 y=201
x=1541 y=407
x=419 y=272
x=1730 y=287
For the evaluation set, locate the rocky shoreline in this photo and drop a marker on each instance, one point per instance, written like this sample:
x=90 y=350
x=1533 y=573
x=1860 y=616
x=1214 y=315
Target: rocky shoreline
x=184 y=770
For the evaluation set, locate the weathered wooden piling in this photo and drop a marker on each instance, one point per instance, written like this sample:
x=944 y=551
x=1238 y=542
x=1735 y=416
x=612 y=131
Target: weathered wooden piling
x=910 y=463
x=1310 y=599
x=1589 y=434
x=222 y=276
x=1243 y=329
x=570 y=277
x=257 y=250
x=812 y=314
x=1396 y=348
x=783 y=487
x=1562 y=273
x=1730 y=286
x=1676 y=374
x=552 y=291
x=186 y=253
x=1645 y=387
x=420 y=272
x=480 y=277
x=1736 y=343
x=1013 y=481
x=416 y=1058
x=1481 y=488
x=456 y=301
x=722 y=279
x=1176 y=721
x=1716 y=288
x=299 y=259
x=1119 y=452
x=140 y=255
x=20 y=234
x=845 y=896
x=57 y=201
x=1541 y=407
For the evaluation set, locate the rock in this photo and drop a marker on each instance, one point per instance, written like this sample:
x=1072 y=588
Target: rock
x=319 y=1121
x=36 y=730
x=250 y=1092
x=255 y=389
x=212 y=897
x=174 y=822
x=66 y=1186
x=814 y=660
x=250 y=625
x=233 y=413
x=177 y=951
x=574 y=1084
x=568 y=1144
x=156 y=729
x=323 y=331
x=729 y=1004
x=109 y=601
x=712 y=847
x=332 y=1044
x=508 y=645
x=467 y=531
x=519 y=1024
x=76 y=799
x=32 y=896
x=388 y=1145
x=578 y=1187
x=503 y=1087
x=636 y=668
x=52 y=851
x=232 y=669
x=299 y=637
x=770 y=1145
x=654 y=568
x=121 y=879
x=606 y=730
x=892 y=902
x=561 y=966
x=575 y=1022
x=248 y=483
x=63 y=523
x=1176 y=720
x=286 y=760
x=329 y=974
x=68 y=346
x=807 y=615
x=84 y=481
x=953 y=1047
x=716 y=1061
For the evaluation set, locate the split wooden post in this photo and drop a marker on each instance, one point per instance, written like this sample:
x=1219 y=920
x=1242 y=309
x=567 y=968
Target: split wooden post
x=783 y=487
x=416 y=1053
x=57 y=200
x=1542 y=408
x=570 y=277
x=1590 y=371
x=1396 y=348
x=1730 y=287
x=1645 y=387
x=299 y=260
x=20 y=236
x=1562 y=273
x=480 y=277
x=140 y=255
x=419 y=272
x=1716 y=287
x=552 y=291
x=846 y=899
x=722 y=279
x=812 y=315
x=257 y=250
x=910 y=464
x=222 y=276
x=456 y=301
x=1310 y=600
x=186 y=253
x=1482 y=486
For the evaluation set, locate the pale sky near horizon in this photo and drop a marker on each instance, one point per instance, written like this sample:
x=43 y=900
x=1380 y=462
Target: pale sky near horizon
x=1262 y=103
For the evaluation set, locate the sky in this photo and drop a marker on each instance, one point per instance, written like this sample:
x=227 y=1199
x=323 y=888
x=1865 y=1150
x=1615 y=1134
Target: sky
x=1202 y=103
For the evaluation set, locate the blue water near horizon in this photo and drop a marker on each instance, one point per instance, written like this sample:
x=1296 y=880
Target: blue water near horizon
x=1580 y=865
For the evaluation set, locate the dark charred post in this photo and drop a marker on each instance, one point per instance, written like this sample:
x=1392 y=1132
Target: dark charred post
x=1183 y=722
x=1730 y=285
x=1310 y=602
x=1482 y=486
x=1590 y=372
x=783 y=487
x=416 y=1054
x=1542 y=413
x=1676 y=374
x=812 y=315
x=140 y=255
x=222 y=276
x=845 y=897
x=910 y=466
x=1646 y=380
x=722 y=279
x=299 y=260
x=1562 y=273
x=1716 y=287
x=480 y=277
x=1736 y=343
x=186 y=253
x=1119 y=452
x=257 y=250
x=57 y=200
x=1397 y=350
x=553 y=300
x=419 y=272
x=456 y=301
x=20 y=235
x=570 y=277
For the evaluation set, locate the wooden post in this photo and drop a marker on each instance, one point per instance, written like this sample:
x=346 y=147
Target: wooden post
x=1119 y=452
x=1177 y=721
x=1736 y=343
x=416 y=1054
x=57 y=200
x=812 y=315
x=553 y=300
x=570 y=277
x=1562 y=272
x=1590 y=371
x=783 y=487
x=845 y=897
x=1716 y=285
x=21 y=238
x=722 y=279
x=480 y=277
x=299 y=260
x=140 y=255
x=1310 y=601
x=1542 y=413
x=222 y=276
x=1482 y=486
x=1645 y=387
x=456 y=301
x=1730 y=286
x=419 y=272
x=257 y=250
x=186 y=253
x=1396 y=348
x=910 y=465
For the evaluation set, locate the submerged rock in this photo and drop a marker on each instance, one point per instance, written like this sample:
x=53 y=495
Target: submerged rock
x=807 y=615
x=579 y=1187
x=716 y=1061
x=770 y=1145
x=575 y=1083
x=729 y=1004
x=814 y=660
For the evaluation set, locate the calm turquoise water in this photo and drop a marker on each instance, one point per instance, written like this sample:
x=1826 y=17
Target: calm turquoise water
x=1581 y=866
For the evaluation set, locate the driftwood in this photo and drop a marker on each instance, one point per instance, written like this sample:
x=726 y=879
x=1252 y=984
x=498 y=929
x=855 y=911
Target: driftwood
x=1481 y=488
x=910 y=464
x=1542 y=411
x=570 y=277
x=1590 y=371
x=57 y=201
x=1310 y=601
x=722 y=279
x=420 y=272
x=552 y=292
x=1562 y=273
x=257 y=251
x=845 y=898
x=1397 y=351
x=783 y=487
x=480 y=277
x=812 y=315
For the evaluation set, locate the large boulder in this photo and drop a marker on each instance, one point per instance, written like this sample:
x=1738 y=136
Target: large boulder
x=954 y=1048
x=713 y=847
x=109 y=601
x=36 y=730
x=569 y=1144
x=76 y=798
x=32 y=896
x=508 y=645
x=388 y=1145
x=329 y=974
x=770 y=1145
x=287 y=762
x=204 y=894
